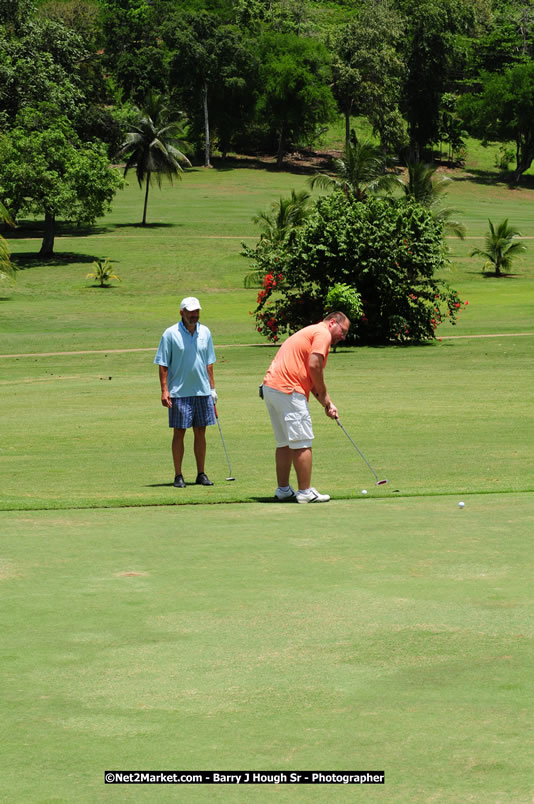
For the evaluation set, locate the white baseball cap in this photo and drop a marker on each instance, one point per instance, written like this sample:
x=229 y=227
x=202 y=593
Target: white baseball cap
x=190 y=304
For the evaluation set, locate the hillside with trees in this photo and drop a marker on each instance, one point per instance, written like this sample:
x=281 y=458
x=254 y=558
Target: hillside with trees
x=163 y=85
x=254 y=76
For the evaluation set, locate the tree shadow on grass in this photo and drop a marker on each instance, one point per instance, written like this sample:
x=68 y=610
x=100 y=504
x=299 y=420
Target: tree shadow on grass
x=301 y=163
x=157 y=225
x=493 y=275
x=491 y=178
x=25 y=260
x=34 y=230
x=488 y=178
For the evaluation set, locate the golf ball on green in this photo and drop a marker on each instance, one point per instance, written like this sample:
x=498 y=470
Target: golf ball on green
x=364 y=491
x=461 y=505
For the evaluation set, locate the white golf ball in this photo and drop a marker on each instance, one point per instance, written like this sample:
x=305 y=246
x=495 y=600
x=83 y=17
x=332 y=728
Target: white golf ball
x=364 y=491
x=461 y=505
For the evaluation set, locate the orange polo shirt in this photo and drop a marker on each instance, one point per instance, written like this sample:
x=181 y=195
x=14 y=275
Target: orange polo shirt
x=289 y=370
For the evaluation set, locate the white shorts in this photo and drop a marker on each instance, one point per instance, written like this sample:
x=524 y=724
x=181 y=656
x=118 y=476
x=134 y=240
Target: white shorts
x=290 y=418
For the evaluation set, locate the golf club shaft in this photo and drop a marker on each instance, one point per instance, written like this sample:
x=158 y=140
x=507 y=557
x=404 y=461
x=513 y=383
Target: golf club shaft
x=222 y=439
x=359 y=450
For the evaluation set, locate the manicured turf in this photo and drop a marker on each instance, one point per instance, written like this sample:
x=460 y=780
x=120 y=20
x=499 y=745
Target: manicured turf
x=388 y=631
x=372 y=634
x=89 y=430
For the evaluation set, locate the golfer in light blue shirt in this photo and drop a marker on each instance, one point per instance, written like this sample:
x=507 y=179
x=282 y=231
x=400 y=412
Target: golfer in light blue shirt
x=185 y=358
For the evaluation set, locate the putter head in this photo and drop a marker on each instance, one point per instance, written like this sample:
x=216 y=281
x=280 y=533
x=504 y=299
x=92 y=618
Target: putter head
x=381 y=482
x=230 y=478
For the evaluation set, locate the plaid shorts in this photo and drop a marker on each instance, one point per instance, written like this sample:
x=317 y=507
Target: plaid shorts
x=191 y=411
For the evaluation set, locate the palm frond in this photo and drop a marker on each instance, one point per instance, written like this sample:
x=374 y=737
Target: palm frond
x=360 y=171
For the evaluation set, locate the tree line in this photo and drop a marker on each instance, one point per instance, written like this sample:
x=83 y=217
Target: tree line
x=248 y=76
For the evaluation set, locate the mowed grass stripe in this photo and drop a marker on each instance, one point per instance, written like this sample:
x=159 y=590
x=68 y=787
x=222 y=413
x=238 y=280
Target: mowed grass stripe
x=234 y=345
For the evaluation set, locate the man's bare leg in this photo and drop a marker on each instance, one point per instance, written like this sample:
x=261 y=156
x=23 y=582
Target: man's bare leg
x=284 y=462
x=178 y=450
x=200 y=447
x=302 y=461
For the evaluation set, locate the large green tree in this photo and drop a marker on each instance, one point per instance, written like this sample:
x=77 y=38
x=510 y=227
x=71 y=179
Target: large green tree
x=503 y=110
x=40 y=61
x=211 y=71
x=46 y=169
x=296 y=97
x=133 y=48
x=434 y=48
x=367 y=67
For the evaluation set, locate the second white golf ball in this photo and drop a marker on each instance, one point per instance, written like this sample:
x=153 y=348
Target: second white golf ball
x=461 y=505
x=364 y=491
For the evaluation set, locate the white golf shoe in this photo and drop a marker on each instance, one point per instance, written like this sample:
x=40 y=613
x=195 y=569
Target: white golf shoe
x=283 y=495
x=311 y=496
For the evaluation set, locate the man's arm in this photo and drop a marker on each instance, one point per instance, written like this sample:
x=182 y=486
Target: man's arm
x=209 y=369
x=316 y=369
x=166 y=400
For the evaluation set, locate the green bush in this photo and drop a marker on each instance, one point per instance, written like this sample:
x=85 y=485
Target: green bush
x=345 y=299
x=387 y=252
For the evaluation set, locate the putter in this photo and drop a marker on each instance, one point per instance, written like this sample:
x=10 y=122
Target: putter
x=378 y=482
x=231 y=477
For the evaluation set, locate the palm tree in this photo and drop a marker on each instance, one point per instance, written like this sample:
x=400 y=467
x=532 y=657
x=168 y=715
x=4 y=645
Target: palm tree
x=428 y=189
x=152 y=146
x=103 y=273
x=501 y=247
x=286 y=214
x=279 y=225
x=360 y=171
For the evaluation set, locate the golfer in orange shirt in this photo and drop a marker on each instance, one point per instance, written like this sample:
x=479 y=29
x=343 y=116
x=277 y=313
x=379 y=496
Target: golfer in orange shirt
x=297 y=370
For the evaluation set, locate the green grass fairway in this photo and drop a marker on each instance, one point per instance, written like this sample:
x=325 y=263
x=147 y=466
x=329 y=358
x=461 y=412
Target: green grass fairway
x=90 y=431
x=364 y=634
x=153 y=628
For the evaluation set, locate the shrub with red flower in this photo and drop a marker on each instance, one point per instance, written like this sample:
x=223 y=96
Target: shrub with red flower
x=388 y=254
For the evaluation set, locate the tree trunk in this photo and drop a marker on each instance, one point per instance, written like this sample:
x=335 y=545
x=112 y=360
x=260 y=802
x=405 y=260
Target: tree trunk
x=207 y=150
x=280 y=154
x=47 y=247
x=347 y=113
x=524 y=156
x=146 y=197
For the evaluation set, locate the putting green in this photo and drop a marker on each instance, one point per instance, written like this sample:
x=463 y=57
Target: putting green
x=390 y=634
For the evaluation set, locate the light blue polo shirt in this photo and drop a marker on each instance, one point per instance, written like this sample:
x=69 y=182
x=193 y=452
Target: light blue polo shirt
x=186 y=356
